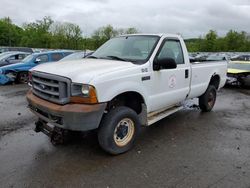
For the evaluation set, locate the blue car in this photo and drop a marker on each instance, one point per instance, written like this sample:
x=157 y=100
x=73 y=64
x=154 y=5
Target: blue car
x=18 y=72
x=8 y=58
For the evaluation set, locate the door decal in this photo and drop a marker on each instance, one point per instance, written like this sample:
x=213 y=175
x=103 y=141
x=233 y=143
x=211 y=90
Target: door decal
x=172 y=81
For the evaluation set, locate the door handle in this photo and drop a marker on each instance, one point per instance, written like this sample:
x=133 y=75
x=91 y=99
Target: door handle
x=186 y=73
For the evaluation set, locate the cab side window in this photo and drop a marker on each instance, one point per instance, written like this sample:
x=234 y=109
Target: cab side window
x=13 y=57
x=43 y=58
x=172 y=49
x=21 y=56
x=56 y=56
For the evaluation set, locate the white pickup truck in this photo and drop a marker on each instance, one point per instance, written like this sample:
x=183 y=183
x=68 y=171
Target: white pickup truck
x=129 y=82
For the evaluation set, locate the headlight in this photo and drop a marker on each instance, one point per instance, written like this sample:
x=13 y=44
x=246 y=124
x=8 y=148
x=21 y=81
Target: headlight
x=82 y=93
x=85 y=90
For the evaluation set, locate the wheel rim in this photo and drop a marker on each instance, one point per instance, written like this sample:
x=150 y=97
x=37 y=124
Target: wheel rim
x=23 y=77
x=124 y=132
x=211 y=99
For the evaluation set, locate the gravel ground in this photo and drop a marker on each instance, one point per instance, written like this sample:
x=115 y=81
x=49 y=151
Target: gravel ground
x=186 y=149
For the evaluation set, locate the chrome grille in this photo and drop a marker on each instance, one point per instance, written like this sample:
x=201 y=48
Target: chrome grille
x=51 y=87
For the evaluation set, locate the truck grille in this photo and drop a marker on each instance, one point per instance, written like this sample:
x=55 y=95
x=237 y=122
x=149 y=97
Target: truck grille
x=51 y=87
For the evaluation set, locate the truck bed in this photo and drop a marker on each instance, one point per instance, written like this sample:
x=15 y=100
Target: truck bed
x=202 y=72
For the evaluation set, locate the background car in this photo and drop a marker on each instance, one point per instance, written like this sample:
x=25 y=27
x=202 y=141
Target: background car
x=18 y=72
x=19 y=49
x=77 y=55
x=241 y=58
x=238 y=72
x=7 y=58
x=217 y=57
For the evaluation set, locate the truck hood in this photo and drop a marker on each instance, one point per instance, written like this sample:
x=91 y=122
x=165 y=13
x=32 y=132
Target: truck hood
x=84 y=70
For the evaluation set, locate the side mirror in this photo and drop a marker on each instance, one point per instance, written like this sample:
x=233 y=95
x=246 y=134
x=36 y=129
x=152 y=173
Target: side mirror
x=165 y=63
x=37 y=60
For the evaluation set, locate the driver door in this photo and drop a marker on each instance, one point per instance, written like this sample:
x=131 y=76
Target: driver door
x=171 y=86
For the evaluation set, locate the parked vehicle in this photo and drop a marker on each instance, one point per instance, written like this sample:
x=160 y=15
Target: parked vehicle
x=238 y=72
x=241 y=58
x=217 y=57
x=200 y=57
x=8 y=58
x=19 y=71
x=76 y=56
x=129 y=82
x=19 y=49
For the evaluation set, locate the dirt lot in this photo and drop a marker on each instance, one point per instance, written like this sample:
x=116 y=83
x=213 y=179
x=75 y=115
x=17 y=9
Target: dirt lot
x=187 y=149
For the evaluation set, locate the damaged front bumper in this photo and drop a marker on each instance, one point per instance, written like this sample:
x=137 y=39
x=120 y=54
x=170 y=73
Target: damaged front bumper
x=74 y=117
x=6 y=78
x=232 y=80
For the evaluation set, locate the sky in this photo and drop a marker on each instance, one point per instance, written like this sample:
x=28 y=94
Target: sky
x=190 y=18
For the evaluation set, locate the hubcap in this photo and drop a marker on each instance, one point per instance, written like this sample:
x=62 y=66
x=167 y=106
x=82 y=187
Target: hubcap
x=24 y=78
x=124 y=132
x=211 y=99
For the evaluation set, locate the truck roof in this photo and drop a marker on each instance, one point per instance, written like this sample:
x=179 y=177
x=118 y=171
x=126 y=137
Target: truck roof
x=154 y=34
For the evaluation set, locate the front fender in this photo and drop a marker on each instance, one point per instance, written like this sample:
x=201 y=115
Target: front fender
x=21 y=69
x=106 y=94
x=4 y=79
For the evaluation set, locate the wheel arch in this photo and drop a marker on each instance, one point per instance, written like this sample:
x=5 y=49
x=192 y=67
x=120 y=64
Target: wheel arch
x=131 y=99
x=215 y=80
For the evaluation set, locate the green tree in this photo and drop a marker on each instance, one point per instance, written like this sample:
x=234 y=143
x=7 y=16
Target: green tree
x=37 y=34
x=66 y=35
x=10 y=34
x=131 y=30
x=210 y=41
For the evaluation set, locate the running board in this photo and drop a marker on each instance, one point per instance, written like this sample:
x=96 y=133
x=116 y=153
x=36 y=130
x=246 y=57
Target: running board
x=155 y=116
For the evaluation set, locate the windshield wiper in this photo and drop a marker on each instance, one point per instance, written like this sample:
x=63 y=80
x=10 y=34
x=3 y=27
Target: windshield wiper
x=116 y=58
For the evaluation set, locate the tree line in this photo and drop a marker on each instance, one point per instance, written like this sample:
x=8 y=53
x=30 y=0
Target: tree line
x=46 y=33
x=233 y=42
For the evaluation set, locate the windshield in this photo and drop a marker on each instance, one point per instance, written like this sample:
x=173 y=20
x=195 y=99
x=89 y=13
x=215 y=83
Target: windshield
x=136 y=49
x=240 y=66
x=4 y=55
x=27 y=59
x=74 y=56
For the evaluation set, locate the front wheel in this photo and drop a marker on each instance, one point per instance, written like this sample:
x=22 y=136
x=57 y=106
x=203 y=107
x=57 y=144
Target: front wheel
x=118 y=130
x=22 y=77
x=207 y=100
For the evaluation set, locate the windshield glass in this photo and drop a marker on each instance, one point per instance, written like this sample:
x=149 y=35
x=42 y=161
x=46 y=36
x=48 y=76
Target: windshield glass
x=27 y=59
x=74 y=56
x=4 y=55
x=240 y=66
x=136 y=49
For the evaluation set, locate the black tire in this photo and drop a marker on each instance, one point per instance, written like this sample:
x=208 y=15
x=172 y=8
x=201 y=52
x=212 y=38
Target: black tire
x=207 y=100
x=22 y=77
x=242 y=83
x=112 y=126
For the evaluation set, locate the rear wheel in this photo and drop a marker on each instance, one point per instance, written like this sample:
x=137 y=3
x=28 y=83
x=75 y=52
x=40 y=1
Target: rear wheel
x=118 y=130
x=22 y=77
x=207 y=100
x=242 y=82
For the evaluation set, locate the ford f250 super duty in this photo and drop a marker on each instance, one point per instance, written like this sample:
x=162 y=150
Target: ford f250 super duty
x=129 y=82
